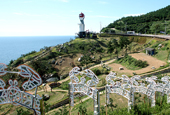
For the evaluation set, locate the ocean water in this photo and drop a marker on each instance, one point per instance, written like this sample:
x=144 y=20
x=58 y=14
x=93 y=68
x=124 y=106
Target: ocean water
x=12 y=48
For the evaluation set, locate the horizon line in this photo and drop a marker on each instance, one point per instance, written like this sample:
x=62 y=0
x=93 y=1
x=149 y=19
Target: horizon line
x=37 y=35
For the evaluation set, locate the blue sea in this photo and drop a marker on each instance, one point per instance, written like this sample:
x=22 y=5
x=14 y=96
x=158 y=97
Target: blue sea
x=12 y=48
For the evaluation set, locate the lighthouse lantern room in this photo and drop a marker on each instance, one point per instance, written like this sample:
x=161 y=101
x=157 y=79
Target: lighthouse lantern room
x=82 y=32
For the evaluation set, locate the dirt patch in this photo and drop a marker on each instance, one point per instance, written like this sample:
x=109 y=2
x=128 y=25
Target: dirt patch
x=121 y=100
x=65 y=64
x=139 y=56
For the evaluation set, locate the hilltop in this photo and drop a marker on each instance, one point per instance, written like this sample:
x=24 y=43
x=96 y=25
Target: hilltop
x=57 y=61
x=152 y=22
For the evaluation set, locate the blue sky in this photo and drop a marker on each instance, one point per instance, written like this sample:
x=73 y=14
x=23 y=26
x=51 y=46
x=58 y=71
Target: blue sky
x=61 y=17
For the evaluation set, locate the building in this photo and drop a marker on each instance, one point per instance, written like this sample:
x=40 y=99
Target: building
x=150 y=51
x=130 y=32
x=82 y=32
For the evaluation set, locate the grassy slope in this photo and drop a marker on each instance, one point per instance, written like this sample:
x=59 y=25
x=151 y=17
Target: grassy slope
x=119 y=100
x=103 y=41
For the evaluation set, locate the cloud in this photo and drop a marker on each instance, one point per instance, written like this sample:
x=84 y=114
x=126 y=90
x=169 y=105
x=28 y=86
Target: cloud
x=102 y=2
x=133 y=14
x=64 y=0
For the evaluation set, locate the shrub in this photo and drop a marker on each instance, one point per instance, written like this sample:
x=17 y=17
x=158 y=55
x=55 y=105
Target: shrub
x=18 y=62
x=133 y=62
x=96 y=71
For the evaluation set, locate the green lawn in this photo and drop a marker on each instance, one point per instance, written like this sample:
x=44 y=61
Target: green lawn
x=32 y=55
x=162 y=55
x=54 y=96
x=118 y=101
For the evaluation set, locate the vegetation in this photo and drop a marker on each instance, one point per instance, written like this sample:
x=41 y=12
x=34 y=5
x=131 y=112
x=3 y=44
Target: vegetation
x=21 y=111
x=161 y=108
x=62 y=111
x=100 y=70
x=116 y=45
x=152 y=22
x=132 y=63
x=99 y=48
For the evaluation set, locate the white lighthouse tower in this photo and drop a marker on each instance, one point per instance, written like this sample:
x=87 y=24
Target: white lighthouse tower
x=82 y=32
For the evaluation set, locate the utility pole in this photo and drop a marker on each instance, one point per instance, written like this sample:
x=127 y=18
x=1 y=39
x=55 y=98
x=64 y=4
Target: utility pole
x=126 y=27
x=100 y=27
x=165 y=27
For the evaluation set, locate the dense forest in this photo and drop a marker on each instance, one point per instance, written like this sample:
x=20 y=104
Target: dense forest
x=153 y=22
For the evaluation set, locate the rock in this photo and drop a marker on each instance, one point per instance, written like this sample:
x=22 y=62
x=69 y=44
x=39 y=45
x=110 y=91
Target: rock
x=53 y=62
x=60 y=57
x=46 y=97
x=43 y=84
x=160 y=45
x=61 y=61
x=56 y=63
x=153 y=67
x=79 y=59
x=161 y=65
x=121 y=68
x=82 y=68
x=61 y=77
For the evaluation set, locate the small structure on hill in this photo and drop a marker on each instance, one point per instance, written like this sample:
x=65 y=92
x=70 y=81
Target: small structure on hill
x=150 y=51
x=82 y=32
x=130 y=32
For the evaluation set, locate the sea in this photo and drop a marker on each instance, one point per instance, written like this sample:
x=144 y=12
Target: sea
x=12 y=48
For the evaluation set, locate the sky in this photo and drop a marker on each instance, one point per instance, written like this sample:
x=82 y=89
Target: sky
x=61 y=17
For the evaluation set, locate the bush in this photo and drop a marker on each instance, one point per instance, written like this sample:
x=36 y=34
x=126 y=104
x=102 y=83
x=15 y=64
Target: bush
x=18 y=62
x=20 y=111
x=96 y=71
x=133 y=62
x=64 y=85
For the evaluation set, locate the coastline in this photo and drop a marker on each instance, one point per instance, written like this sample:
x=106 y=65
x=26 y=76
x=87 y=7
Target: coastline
x=14 y=46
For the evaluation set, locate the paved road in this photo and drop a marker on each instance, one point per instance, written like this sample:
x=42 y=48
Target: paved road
x=147 y=35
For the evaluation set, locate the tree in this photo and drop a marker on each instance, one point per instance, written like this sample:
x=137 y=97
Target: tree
x=124 y=42
x=156 y=27
x=111 y=104
x=116 y=46
x=62 y=111
x=86 y=59
x=82 y=110
x=102 y=110
x=47 y=107
x=110 y=47
x=21 y=111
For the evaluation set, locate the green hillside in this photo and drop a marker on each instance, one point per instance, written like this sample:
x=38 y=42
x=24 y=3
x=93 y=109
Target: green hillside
x=152 y=22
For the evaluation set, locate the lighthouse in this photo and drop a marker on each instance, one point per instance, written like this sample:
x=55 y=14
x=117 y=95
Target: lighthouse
x=82 y=32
